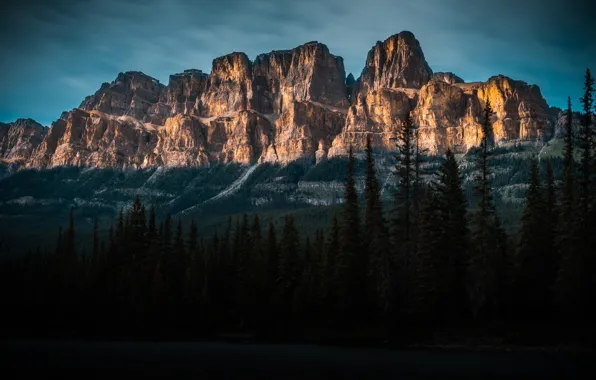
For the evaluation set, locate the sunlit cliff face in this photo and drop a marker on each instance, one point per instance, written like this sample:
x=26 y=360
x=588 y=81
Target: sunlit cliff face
x=283 y=106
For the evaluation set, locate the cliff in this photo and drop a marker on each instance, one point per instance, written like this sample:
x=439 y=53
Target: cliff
x=285 y=105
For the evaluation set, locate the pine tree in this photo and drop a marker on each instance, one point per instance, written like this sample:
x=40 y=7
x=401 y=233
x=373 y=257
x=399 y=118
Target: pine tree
x=59 y=250
x=488 y=240
x=120 y=230
x=329 y=279
x=533 y=285
x=167 y=236
x=352 y=262
x=585 y=217
x=289 y=265
x=430 y=261
x=551 y=219
x=95 y=252
x=454 y=244
x=193 y=238
x=586 y=145
x=179 y=240
x=567 y=286
x=403 y=224
x=381 y=260
x=152 y=229
x=306 y=298
x=112 y=246
x=137 y=230
x=70 y=248
x=255 y=271
x=568 y=171
x=272 y=264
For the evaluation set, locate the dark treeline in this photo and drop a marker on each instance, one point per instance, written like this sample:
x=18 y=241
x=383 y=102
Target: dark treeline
x=432 y=264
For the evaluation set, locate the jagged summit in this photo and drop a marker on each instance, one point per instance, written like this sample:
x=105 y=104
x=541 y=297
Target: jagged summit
x=286 y=105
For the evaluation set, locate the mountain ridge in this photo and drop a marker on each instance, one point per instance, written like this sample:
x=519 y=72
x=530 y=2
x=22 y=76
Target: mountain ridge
x=283 y=106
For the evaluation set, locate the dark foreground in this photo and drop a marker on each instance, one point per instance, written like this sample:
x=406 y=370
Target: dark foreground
x=226 y=360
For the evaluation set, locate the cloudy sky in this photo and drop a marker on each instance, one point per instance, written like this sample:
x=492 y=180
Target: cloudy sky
x=55 y=52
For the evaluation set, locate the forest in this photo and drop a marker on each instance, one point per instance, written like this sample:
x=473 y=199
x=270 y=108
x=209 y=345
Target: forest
x=433 y=268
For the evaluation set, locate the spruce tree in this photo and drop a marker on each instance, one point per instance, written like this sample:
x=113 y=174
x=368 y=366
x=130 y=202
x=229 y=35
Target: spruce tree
x=307 y=289
x=586 y=145
x=70 y=248
x=289 y=267
x=568 y=171
x=586 y=218
x=381 y=259
x=272 y=265
x=431 y=286
x=112 y=246
x=120 y=230
x=551 y=219
x=95 y=252
x=403 y=224
x=137 y=231
x=329 y=273
x=59 y=244
x=152 y=228
x=566 y=287
x=531 y=256
x=488 y=240
x=352 y=262
x=454 y=242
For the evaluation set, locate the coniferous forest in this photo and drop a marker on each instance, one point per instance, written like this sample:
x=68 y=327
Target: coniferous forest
x=429 y=268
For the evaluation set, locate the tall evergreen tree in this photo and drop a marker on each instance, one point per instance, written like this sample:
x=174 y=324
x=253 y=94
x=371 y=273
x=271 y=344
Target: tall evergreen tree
x=551 y=218
x=329 y=274
x=567 y=282
x=487 y=261
x=403 y=228
x=454 y=244
x=112 y=244
x=70 y=248
x=95 y=253
x=586 y=145
x=431 y=286
x=289 y=266
x=587 y=188
x=137 y=230
x=59 y=243
x=120 y=229
x=531 y=257
x=193 y=238
x=272 y=265
x=381 y=259
x=568 y=171
x=152 y=228
x=179 y=240
x=351 y=263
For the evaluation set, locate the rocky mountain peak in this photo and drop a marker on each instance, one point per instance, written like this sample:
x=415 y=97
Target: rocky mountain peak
x=398 y=62
x=19 y=139
x=287 y=105
x=447 y=77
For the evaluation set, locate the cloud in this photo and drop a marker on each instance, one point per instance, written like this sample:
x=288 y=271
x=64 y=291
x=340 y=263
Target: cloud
x=76 y=83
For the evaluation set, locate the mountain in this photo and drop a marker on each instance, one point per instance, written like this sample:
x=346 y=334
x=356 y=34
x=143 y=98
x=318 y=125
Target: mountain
x=284 y=106
x=267 y=136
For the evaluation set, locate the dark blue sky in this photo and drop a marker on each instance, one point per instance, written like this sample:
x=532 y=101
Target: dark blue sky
x=54 y=53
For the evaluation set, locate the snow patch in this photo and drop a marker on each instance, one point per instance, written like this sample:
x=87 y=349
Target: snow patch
x=229 y=190
x=235 y=185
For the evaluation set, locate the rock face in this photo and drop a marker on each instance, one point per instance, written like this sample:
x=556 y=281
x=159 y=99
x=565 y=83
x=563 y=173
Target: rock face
x=285 y=105
x=132 y=93
x=19 y=139
x=384 y=94
x=398 y=62
x=447 y=78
